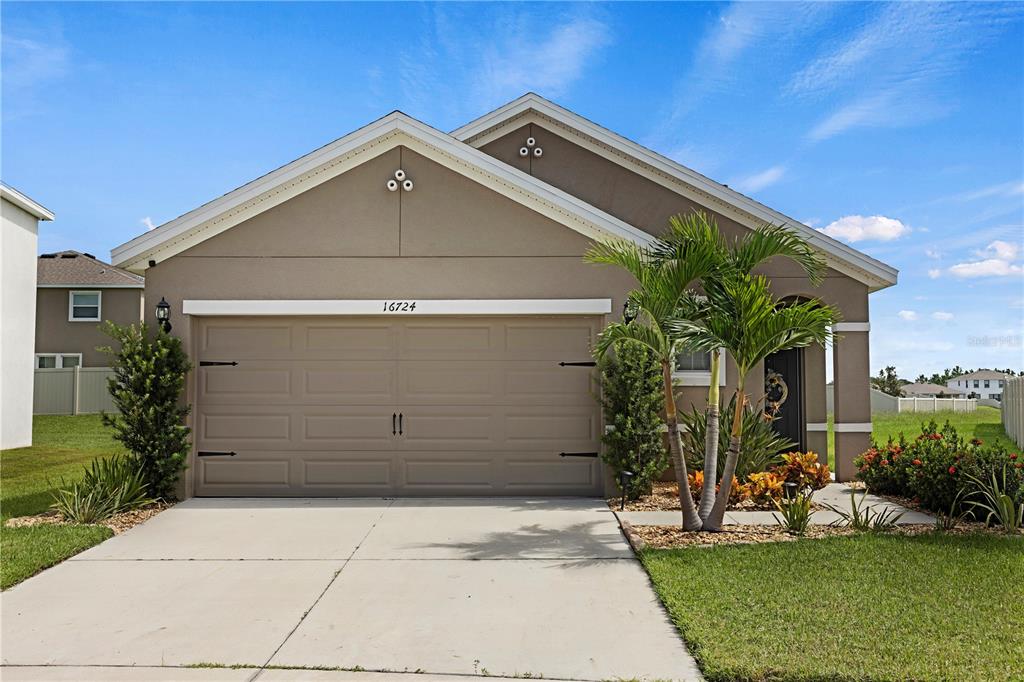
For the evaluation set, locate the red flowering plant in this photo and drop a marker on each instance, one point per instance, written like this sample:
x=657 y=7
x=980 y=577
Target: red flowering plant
x=884 y=468
x=937 y=468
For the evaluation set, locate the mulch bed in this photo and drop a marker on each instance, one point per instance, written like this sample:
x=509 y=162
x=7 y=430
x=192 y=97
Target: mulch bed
x=665 y=497
x=670 y=537
x=118 y=523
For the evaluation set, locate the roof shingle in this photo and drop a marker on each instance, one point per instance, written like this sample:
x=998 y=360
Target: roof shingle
x=73 y=268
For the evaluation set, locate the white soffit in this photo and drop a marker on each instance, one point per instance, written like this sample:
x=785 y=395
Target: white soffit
x=401 y=307
x=395 y=129
x=532 y=108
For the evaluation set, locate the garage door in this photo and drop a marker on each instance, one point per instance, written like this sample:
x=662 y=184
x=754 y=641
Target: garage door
x=376 y=406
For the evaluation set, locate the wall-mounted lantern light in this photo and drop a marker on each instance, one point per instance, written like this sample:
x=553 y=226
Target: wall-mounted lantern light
x=163 y=315
x=629 y=312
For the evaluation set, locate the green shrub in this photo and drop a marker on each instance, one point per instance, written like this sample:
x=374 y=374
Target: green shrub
x=149 y=375
x=760 y=447
x=939 y=469
x=995 y=503
x=109 y=486
x=796 y=512
x=632 y=398
x=863 y=517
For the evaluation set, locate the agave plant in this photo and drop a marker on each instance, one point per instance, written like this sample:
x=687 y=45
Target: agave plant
x=1000 y=506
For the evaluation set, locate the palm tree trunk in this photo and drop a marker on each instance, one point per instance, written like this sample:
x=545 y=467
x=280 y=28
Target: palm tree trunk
x=707 y=497
x=714 y=520
x=691 y=520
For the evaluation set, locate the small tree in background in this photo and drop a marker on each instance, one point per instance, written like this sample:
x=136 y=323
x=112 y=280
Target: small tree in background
x=888 y=381
x=632 y=399
x=149 y=375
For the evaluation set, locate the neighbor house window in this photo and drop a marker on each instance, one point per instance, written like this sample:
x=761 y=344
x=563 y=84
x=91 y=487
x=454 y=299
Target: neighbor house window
x=58 y=360
x=84 y=306
x=986 y=384
x=976 y=382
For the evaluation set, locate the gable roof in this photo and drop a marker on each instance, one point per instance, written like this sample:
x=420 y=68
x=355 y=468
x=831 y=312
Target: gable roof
x=924 y=389
x=982 y=374
x=77 y=269
x=532 y=108
x=25 y=202
x=321 y=165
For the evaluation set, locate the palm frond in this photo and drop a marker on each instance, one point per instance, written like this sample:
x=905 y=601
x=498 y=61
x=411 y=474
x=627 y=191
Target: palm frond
x=631 y=257
x=770 y=241
x=649 y=336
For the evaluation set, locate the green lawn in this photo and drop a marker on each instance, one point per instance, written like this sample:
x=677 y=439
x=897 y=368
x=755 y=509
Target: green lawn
x=62 y=446
x=866 y=607
x=984 y=423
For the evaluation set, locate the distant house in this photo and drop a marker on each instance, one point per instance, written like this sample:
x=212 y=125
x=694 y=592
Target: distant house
x=19 y=236
x=75 y=293
x=985 y=383
x=926 y=391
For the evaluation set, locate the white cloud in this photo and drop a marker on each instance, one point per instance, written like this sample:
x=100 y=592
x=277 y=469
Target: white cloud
x=890 y=72
x=995 y=260
x=28 y=63
x=908 y=315
x=855 y=228
x=759 y=181
x=1003 y=189
x=942 y=315
x=933 y=253
x=148 y=223
x=934 y=273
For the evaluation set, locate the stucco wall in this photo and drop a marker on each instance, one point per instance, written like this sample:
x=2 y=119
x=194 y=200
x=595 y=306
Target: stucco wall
x=56 y=334
x=18 y=242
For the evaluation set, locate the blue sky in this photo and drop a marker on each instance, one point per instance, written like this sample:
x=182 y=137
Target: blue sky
x=898 y=128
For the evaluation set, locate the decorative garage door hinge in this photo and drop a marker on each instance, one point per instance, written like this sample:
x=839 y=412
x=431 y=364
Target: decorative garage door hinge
x=210 y=453
x=216 y=363
x=587 y=363
x=577 y=454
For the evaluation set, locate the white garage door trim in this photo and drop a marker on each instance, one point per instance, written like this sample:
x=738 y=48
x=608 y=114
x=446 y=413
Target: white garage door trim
x=401 y=307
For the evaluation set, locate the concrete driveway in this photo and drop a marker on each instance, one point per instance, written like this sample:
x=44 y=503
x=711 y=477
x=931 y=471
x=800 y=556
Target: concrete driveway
x=436 y=586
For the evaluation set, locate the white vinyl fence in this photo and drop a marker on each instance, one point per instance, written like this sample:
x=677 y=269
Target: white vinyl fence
x=1013 y=409
x=74 y=390
x=938 y=404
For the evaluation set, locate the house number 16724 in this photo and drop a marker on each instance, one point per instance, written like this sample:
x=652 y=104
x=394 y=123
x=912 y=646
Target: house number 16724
x=399 y=306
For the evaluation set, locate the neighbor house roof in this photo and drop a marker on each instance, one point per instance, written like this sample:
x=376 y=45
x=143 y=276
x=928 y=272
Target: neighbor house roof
x=532 y=108
x=395 y=129
x=924 y=389
x=76 y=269
x=982 y=374
x=25 y=203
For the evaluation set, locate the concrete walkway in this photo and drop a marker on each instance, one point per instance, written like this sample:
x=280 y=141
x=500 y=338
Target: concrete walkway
x=441 y=587
x=836 y=494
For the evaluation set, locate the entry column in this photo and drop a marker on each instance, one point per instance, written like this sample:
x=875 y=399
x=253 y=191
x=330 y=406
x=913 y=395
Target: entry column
x=851 y=372
x=815 y=408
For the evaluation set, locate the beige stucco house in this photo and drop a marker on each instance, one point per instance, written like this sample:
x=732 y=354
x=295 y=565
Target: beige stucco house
x=406 y=312
x=75 y=294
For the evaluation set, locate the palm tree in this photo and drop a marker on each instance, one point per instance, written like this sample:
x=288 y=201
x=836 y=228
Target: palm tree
x=743 y=318
x=738 y=257
x=664 y=294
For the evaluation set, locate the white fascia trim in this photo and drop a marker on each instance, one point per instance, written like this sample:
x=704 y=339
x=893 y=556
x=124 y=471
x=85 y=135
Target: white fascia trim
x=852 y=427
x=25 y=203
x=851 y=327
x=328 y=162
x=94 y=286
x=532 y=108
x=555 y=306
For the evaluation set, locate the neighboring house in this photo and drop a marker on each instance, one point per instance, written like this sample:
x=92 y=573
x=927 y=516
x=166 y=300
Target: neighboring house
x=985 y=383
x=407 y=312
x=18 y=247
x=76 y=293
x=926 y=391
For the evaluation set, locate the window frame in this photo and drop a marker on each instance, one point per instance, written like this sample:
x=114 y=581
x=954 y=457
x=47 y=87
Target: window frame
x=697 y=377
x=71 y=306
x=58 y=360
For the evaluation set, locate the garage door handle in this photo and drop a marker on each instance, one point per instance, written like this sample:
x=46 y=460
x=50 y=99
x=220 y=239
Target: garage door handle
x=400 y=416
x=394 y=416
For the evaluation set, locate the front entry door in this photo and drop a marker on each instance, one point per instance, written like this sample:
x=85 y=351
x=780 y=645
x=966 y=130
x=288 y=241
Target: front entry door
x=783 y=384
